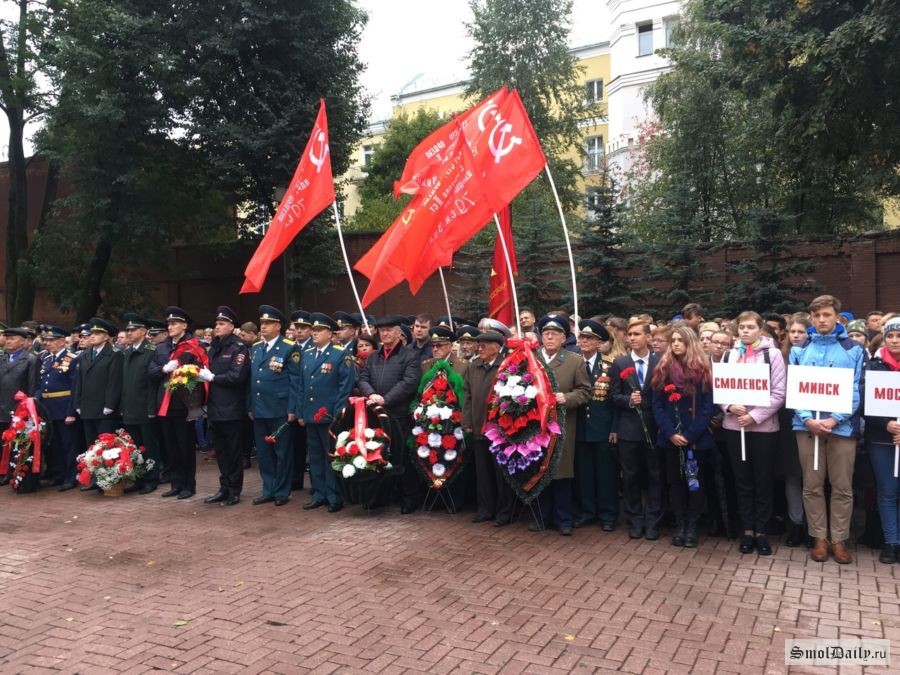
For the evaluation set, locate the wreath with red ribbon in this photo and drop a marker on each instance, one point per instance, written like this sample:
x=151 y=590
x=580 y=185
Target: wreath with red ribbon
x=438 y=442
x=22 y=454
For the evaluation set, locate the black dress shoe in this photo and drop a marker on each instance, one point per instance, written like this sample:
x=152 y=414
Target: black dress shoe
x=651 y=533
x=582 y=522
x=220 y=496
x=66 y=486
x=89 y=488
x=131 y=489
x=334 y=508
x=478 y=518
x=232 y=500
x=566 y=531
x=500 y=522
x=147 y=489
x=263 y=499
x=314 y=504
x=607 y=526
x=281 y=501
x=762 y=545
x=4 y=481
x=887 y=556
x=746 y=544
x=185 y=494
x=635 y=531
x=691 y=538
x=172 y=492
x=406 y=509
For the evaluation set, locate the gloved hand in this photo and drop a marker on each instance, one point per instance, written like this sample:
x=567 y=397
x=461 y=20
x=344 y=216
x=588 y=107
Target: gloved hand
x=78 y=411
x=107 y=411
x=206 y=375
x=170 y=366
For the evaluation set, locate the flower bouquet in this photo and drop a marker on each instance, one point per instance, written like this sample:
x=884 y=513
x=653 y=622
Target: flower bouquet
x=21 y=457
x=361 y=454
x=110 y=461
x=437 y=437
x=186 y=383
x=524 y=424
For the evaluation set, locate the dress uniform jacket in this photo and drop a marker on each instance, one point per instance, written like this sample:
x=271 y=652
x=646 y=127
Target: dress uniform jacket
x=19 y=375
x=273 y=374
x=326 y=381
x=138 y=392
x=99 y=382
x=597 y=417
x=479 y=379
x=230 y=363
x=460 y=366
x=572 y=380
x=56 y=389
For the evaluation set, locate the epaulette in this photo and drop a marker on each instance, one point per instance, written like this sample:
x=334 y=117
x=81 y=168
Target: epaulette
x=340 y=348
x=289 y=342
x=309 y=348
x=258 y=342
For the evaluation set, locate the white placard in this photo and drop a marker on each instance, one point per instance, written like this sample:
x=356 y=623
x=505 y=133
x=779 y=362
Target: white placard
x=883 y=393
x=821 y=389
x=741 y=384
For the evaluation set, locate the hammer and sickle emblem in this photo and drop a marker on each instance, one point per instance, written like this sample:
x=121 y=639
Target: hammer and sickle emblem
x=489 y=109
x=323 y=152
x=503 y=149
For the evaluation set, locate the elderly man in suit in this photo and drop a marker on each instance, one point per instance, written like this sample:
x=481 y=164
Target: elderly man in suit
x=636 y=431
x=573 y=390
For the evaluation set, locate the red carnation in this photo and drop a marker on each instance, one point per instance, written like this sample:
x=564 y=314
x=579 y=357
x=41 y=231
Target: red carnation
x=354 y=450
x=451 y=397
x=432 y=457
x=380 y=434
x=456 y=416
x=436 y=419
x=321 y=413
x=449 y=442
x=96 y=462
x=675 y=397
x=440 y=384
x=421 y=439
x=269 y=439
x=628 y=372
x=341 y=451
x=84 y=477
x=110 y=462
x=670 y=388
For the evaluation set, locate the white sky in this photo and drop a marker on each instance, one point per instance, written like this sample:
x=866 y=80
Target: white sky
x=409 y=39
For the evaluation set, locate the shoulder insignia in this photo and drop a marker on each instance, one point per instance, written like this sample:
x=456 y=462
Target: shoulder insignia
x=288 y=342
x=348 y=359
x=309 y=349
x=340 y=348
x=258 y=342
x=295 y=357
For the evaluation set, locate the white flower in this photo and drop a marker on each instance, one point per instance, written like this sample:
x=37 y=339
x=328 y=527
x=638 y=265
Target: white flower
x=419 y=411
x=342 y=438
x=360 y=462
x=450 y=455
x=500 y=389
x=372 y=445
x=513 y=380
x=438 y=470
x=348 y=471
x=423 y=451
x=531 y=391
x=434 y=440
x=388 y=466
x=369 y=433
x=446 y=413
x=417 y=430
x=458 y=433
x=111 y=454
x=516 y=391
x=433 y=411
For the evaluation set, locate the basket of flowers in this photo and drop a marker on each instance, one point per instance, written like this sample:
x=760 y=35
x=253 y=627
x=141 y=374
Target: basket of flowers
x=437 y=441
x=28 y=435
x=110 y=461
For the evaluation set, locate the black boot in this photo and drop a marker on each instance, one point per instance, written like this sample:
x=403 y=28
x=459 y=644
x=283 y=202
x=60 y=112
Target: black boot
x=691 y=538
x=678 y=533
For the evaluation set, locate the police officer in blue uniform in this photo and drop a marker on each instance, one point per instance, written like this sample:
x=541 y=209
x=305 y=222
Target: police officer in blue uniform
x=348 y=326
x=327 y=377
x=228 y=372
x=274 y=372
x=56 y=389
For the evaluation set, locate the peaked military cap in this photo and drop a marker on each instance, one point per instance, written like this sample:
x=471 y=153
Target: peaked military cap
x=269 y=313
x=359 y=318
x=156 y=326
x=321 y=320
x=300 y=316
x=177 y=314
x=441 y=334
x=488 y=323
x=3 y=327
x=16 y=332
x=84 y=329
x=594 y=328
x=225 y=313
x=99 y=325
x=133 y=320
x=343 y=320
x=445 y=321
x=54 y=332
x=554 y=322
x=491 y=336
x=467 y=332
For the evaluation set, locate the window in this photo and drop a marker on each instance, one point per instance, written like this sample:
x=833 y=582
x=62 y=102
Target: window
x=592 y=203
x=645 y=39
x=367 y=152
x=593 y=91
x=593 y=160
x=670 y=25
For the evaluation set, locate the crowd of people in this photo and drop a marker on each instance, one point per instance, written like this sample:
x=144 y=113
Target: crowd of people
x=644 y=441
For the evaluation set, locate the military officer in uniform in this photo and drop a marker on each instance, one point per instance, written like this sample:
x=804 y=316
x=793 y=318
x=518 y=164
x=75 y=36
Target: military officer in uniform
x=98 y=392
x=139 y=397
x=302 y=331
x=466 y=338
x=56 y=392
x=274 y=373
x=442 y=349
x=228 y=372
x=347 y=330
x=327 y=377
x=596 y=467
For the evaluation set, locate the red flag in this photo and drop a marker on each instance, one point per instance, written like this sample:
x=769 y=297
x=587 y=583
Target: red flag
x=379 y=263
x=310 y=191
x=425 y=159
x=500 y=299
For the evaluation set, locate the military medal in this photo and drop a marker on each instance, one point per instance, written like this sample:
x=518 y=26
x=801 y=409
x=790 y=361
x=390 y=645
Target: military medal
x=326 y=368
x=276 y=364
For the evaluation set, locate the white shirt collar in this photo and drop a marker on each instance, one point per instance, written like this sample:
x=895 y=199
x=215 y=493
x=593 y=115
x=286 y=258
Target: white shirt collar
x=271 y=343
x=645 y=359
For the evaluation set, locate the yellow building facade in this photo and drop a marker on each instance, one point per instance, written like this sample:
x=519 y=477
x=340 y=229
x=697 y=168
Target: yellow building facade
x=450 y=98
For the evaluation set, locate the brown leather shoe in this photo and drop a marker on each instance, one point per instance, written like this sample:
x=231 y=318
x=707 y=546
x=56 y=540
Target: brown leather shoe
x=819 y=551
x=840 y=552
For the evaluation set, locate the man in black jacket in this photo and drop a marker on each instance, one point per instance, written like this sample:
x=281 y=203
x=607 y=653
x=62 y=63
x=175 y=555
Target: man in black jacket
x=98 y=391
x=139 y=397
x=228 y=372
x=636 y=433
x=391 y=379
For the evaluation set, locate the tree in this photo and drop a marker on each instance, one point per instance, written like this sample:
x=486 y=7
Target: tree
x=23 y=97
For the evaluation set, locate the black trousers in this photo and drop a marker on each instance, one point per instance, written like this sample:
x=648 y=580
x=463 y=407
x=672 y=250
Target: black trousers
x=247 y=439
x=64 y=448
x=146 y=434
x=486 y=478
x=300 y=445
x=555 y=502
x=95 y=427
x=181 y=459
x=636 y=459
x=686 y=505
x=754 y=479
x=226 y=438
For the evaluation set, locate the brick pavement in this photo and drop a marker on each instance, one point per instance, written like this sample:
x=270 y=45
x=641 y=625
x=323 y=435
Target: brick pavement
x=134 y=584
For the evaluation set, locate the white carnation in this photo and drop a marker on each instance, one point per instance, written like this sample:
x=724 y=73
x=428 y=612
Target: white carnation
x=348 y=471
x=342 y=438
x=446 y=413
x=372 y=445
x=369 y=433
x=417 y=430
x=458 y=433
x=531 y=391
x=433 y=411
x=516 y=391
x=360 y=462
x=423 y=451
x=450 y=455
x=513 y=380
x=438 y=470
x=434 y=440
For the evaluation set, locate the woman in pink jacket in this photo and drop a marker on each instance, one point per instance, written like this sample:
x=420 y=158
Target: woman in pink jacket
x=754 y=477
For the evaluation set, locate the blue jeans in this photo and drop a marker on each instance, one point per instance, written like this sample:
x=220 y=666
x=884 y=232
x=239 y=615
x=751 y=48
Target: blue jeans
x=882 y=457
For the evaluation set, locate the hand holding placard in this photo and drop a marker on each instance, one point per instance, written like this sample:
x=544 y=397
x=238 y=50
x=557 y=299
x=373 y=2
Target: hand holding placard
x=819 y=389
x=883 y=400
x=741 y=385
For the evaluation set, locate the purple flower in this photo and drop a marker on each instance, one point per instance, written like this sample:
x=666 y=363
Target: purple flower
x=513 y=370
x=504 y=406
x=527 y=379
x=522 y=399
x=501 y=376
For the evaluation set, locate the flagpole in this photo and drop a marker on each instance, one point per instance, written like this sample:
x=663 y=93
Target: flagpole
x=568 y=246
x=337 y=220
x=446 y=298
x=512 y=283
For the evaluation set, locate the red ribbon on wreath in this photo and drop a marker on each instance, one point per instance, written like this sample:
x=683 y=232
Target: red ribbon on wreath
x=540 y=380
x=28 y=404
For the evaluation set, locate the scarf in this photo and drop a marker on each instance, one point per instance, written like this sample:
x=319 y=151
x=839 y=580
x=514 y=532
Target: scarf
x=746 y=351
x=889 y=359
